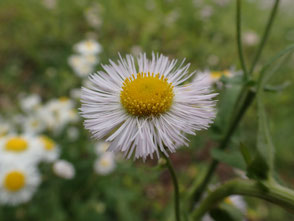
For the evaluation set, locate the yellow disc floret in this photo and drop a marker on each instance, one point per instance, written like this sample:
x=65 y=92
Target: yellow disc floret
x=14 y=181
x=146 y=95
x=218 y=74
x=16 y=144
x=48 y=143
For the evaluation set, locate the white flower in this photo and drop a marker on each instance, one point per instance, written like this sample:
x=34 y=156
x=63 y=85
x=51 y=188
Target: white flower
x=23 y=148
x=18 y=183
x=105 y=164
x=82 y=65
x=88 y=47
x=238 y=202
x=64 y=169
x=59 y=113
x=30 y=102
x=32 y=124
x=143 y=108
x=250 y=38
x=101 y=147
x=50 y=150
x=5 y=128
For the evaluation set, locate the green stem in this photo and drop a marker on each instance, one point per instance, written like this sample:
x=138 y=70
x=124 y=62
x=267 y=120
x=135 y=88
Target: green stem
x=246 y=101
x=265 y=36
x=239 y=41
x=271 y=192
x=176 y=187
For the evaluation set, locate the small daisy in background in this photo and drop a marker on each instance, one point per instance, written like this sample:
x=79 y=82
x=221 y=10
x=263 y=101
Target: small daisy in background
x=105 y=162
x=84 y=62
x=64 y=169
x=142 y=106
x=18 y=183
x=50 y=149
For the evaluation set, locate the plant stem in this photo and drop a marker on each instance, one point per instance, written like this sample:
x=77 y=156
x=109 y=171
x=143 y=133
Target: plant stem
x=246 y=102
x=265 y=36
x=271 y=192
x=176 y=187
x=239 y=41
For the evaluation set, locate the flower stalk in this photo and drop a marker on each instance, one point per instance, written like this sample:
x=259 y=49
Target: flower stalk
x=269 y=191
x=176 y=187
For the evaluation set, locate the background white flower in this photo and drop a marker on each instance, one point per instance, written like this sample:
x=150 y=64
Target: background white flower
x=64 y=169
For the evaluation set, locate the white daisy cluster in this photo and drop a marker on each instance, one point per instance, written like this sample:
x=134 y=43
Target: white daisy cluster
x=105 y=162
x=52 y=116
x=19 y=159
x=21 y=153
x=86 y=57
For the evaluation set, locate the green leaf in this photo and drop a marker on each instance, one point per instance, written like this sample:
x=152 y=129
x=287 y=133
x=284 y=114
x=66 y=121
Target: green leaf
x=258 y=168
x=232 y=158
x=245 y=153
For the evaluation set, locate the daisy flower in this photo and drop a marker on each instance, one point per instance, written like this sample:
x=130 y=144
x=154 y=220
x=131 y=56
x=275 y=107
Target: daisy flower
x=101 y=147
x=24 y=148
x=49 y=148
x=105 y=164
x=142 y=107
x=18 y=183
x=64 y=169
x=88 y=47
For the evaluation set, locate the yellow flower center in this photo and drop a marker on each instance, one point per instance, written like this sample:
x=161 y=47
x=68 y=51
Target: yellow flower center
x=16 y=144
x=48 y=143
x=14 y=181
x=63 y=99
x=146 y=95
x=218 y=74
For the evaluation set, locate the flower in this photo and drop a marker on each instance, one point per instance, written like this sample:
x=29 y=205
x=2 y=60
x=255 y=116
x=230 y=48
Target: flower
x=32 y=124
x=64 y=169
x=30 y=102
x=49 y=148
x=24 y=148
x=101 y=147
x=238 y=202
x=105 y=164
x=18 y=183
x=82 y=65
x=59 y=113
x=88 y=47
x=143 y=107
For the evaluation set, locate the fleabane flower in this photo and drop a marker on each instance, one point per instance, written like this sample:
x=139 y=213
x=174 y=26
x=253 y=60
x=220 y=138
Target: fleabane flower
x=18 y=183
x=24 y=148
x=105 y=164
x=64 y=169
x=50 y=150
x=88 y=47
x=142 y=106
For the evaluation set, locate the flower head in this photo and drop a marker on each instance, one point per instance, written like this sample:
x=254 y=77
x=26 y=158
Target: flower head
x=18 y=183
x=64 y=169
x=105 y=164
x=142 y=107
x=24 y=148
x=50 y=150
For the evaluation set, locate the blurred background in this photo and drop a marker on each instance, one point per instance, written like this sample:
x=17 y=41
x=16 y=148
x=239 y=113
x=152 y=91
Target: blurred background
x=47 y=50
